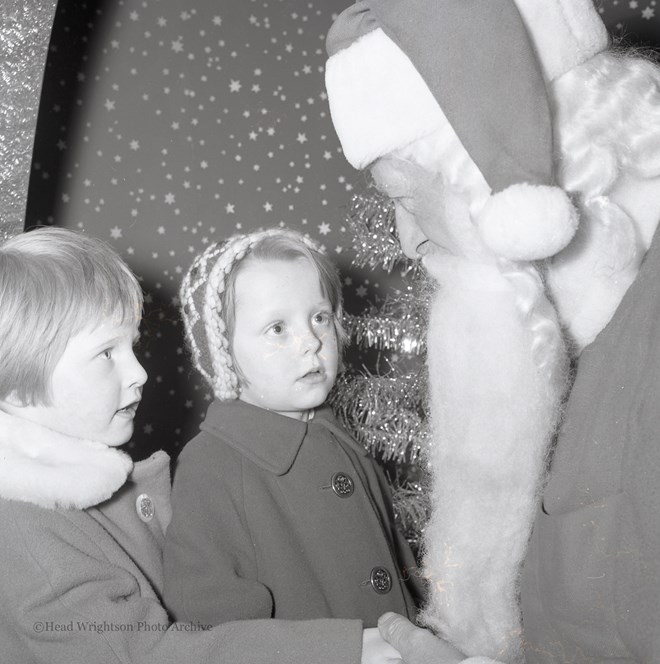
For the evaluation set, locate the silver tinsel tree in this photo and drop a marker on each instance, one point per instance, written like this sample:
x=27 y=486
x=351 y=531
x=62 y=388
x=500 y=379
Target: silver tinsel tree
x=383 y=406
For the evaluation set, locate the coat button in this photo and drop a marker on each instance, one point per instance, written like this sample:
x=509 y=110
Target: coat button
x=342 y=485
x=381 y=580
x=145 y=507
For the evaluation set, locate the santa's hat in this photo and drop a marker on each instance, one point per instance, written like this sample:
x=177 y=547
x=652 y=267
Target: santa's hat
x=399 y=70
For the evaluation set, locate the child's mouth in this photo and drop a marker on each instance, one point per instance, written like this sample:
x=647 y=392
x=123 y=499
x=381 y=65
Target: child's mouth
x=130 y=410
x=314 y=376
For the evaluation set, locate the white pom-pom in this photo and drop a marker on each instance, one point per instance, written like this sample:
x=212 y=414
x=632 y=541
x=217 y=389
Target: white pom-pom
x=527 y=222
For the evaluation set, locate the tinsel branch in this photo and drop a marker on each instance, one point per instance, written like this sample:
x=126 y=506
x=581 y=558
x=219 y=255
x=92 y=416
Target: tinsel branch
x=372 y=222
x=412 y=508
x=384 y=413
x=399 y=324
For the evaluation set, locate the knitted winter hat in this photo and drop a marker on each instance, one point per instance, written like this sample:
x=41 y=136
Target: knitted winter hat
x=398 y=71
x=201 y=298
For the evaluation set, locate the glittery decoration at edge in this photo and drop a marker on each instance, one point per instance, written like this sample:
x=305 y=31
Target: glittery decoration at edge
x=24 y=36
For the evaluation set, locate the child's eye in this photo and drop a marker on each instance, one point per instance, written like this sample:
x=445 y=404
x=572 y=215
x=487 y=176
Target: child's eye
x=321 y=318
x=106 y=354
x=277 y=329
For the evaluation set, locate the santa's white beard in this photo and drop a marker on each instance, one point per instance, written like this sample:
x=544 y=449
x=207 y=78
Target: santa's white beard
x=493 y=413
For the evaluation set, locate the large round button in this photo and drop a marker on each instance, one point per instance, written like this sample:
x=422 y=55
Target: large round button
x=381 y=580
x=145 y=507
x=342 y=485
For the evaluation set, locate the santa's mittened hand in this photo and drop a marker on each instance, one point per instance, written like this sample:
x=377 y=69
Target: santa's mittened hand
x=375 y=650
x=416 y=645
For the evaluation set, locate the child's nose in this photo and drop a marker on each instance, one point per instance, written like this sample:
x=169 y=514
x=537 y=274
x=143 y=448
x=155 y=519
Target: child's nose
x=310 y=342
x=138 y=374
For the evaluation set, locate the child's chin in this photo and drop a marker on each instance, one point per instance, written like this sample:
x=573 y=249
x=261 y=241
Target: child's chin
x=317 y=397
x=118 y=440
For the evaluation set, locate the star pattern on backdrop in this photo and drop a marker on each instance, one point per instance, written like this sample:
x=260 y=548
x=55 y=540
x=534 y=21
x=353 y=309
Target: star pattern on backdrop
x=164 y=128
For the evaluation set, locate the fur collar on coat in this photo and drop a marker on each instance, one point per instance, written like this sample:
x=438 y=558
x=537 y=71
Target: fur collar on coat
x=49 y=469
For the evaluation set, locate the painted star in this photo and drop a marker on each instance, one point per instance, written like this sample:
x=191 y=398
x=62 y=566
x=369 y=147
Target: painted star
x=116 y=233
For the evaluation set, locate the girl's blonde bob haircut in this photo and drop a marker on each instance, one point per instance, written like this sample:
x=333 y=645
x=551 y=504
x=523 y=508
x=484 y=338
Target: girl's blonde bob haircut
x=53 y=283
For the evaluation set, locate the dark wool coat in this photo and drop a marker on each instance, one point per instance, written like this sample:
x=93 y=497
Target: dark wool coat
x=273 y=517
x=591 y=583
x=81 y=583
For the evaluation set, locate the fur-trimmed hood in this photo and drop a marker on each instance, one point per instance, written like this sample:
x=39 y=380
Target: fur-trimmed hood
x=49 y=469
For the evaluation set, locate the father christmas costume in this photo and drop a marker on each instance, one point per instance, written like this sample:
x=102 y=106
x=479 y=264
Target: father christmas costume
x=447 y=103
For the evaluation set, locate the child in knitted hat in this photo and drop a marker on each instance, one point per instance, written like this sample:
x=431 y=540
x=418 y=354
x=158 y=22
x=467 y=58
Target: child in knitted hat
x=277 y=512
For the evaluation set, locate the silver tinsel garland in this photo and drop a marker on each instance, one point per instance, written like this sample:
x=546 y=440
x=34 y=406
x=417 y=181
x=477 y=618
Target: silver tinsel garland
x=372 y=223
x=384 y=413
x=412 y=509
x=398 y=325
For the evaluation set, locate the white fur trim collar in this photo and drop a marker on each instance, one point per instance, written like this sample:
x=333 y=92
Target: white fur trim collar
x=46 y=468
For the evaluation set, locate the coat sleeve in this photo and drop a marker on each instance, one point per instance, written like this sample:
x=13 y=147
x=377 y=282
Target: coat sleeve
x=64 y=600
x=210 y=572
x=637 y=570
